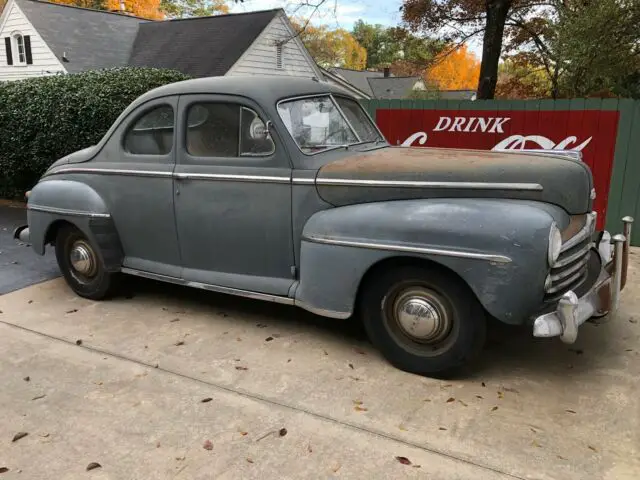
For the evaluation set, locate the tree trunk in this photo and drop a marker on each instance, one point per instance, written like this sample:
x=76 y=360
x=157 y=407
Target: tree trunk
x=497 y=11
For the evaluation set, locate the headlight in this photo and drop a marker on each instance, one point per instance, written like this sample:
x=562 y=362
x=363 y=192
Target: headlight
x=555 y=244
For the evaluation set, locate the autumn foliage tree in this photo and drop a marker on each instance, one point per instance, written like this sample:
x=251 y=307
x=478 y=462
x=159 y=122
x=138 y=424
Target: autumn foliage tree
x=155 y=9
x=454 y=69
x=331 y=48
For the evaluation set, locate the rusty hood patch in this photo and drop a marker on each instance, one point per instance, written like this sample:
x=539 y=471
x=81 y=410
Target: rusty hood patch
x=407 y=173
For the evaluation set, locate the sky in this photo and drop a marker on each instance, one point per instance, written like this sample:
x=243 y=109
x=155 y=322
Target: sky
x=339 y=13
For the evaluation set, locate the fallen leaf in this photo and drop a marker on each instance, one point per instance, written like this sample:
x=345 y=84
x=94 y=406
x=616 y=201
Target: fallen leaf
x=561 y=457
x=3 y=469
x=500 y=395
x=26 y=379
x=633 y=320
x=207 y=445
x=244 y=434
x=511 y=390
x=156 y=365
x=360 y=351
x=180 y=459
x=174 y=320
x=462 y=403
x=451 y=399
x=416 y=466
x=357 y=402
x=309 y=449
x=146 y=346
x=206 y=400
x=404 y=460
x=78 y=342
x=570 y=411
x=165 y=309
x=268 y=339
x=72 y=311
x=358 y=408
x=288 y=360
x=30 y=301
x=533 y=430
x=480 y=397
x=97 y=383
x=629 y=350
x=427 y=400
x=158 y=445
x=592 y=448
x=402 y=427
x=38 y=397
x=325 y=352
x=441 y=428
x=351 y=366
x=494 y=409
x=535 y=444
x=178 y=343
x=357 y=379
x=238 y=367
x=19 y=435
x=93 y=466
x=249 y=460
x=282 y=432
x=483 y=384
x=238 y=339
x=336 y=467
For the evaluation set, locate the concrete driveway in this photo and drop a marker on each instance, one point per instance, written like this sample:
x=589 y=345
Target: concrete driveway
x=20 y=266
x=143 y=383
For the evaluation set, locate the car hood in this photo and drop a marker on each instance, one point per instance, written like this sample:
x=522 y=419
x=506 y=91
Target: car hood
x=397 y=173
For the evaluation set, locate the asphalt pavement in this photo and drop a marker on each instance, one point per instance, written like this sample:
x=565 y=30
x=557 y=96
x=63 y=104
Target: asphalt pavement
x=20 y=266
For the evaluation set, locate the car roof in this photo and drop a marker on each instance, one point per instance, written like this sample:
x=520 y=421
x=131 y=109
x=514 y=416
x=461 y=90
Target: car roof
x=266 y=90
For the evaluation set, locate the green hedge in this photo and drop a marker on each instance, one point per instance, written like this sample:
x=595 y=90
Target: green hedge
x=43 y=119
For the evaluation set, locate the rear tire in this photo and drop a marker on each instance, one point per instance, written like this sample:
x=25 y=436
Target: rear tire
x=424 y=320
x=81 y=265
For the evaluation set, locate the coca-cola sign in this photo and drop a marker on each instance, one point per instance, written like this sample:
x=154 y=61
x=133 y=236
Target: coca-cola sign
x=592 y=132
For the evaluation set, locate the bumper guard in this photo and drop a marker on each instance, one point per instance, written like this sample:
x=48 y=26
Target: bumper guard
x=602 y=298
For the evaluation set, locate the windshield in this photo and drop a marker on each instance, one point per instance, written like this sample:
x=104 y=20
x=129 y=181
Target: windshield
x=319 y=123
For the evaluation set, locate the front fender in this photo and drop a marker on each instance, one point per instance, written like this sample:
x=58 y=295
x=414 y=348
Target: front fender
x=498 y=247
x=55 y=201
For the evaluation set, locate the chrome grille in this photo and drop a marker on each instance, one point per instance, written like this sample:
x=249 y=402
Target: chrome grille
x=570 y=270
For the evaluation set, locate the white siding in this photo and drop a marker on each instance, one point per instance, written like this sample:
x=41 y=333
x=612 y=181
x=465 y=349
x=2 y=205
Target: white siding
x=260 y=57
x=44 y=61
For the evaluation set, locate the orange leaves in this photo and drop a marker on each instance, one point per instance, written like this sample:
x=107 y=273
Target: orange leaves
x=140 y=8
x=454 y=70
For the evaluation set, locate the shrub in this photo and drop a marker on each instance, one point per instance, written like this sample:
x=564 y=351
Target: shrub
x=43 y=119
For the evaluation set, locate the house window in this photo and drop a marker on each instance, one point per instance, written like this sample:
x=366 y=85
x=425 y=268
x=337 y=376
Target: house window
x=19 y=50
x=279 y=65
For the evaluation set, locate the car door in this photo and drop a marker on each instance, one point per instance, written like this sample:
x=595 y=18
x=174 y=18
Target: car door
x=232 y=196
x=134 y=175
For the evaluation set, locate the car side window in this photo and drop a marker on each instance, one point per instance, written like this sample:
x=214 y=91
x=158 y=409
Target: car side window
x=152 y=133
x=226 y=130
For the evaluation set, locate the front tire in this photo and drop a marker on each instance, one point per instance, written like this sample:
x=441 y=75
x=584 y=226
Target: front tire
x=81 y=265
x=424 y=320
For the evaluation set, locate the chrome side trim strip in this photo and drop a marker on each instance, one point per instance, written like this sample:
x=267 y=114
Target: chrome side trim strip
x=303 y=181
x=420 y=184
x=67 y=211
x=111 y=171
x=322 y=311
x=583 y=234
x=406 y=248
x=214 y=288
x=231 y=177
x=574 y=257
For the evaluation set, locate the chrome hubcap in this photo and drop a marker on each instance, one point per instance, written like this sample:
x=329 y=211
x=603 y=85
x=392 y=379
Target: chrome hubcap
x=82 y=259
x=421 y=315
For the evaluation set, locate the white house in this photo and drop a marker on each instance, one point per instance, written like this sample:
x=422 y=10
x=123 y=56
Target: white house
x=41 y=38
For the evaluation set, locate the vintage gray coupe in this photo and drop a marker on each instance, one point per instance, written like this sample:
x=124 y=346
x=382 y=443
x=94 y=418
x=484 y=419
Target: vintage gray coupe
x=285 y=190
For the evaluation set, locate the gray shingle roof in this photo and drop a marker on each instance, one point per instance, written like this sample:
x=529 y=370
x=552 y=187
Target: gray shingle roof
x=200 y=47
x=392 y=87
x=358 y=78
x=457 y=94
x=91 y=39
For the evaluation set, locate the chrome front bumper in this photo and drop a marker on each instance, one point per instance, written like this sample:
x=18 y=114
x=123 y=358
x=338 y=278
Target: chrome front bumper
x=602 y=298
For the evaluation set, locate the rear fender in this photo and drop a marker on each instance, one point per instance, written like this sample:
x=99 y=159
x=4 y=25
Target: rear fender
x=53 y=203
x=498 y=247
